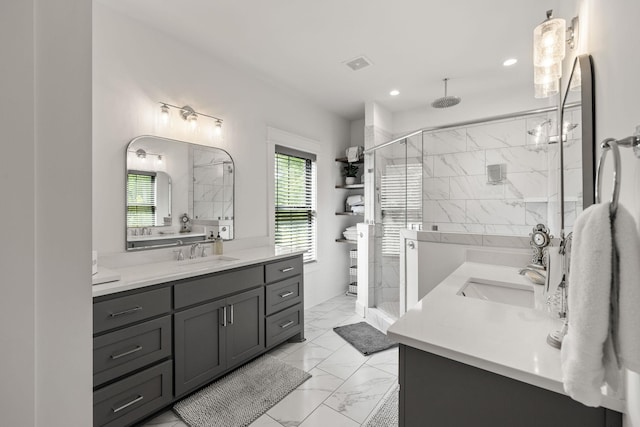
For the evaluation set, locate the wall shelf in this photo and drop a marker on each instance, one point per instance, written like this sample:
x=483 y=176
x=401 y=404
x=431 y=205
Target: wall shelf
x=344 y=160
x=351 y=187
x=350 y=213
x=353 y=242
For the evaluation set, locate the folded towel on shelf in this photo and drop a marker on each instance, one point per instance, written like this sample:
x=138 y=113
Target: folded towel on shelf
x=603 y=299
x=357 y=209
x=354 y=153
x=355 y=200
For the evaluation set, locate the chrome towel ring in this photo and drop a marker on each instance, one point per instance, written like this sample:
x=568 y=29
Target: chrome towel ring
x=613 y=144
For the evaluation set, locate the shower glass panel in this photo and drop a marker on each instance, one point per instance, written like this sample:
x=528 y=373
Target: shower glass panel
x=398 y=205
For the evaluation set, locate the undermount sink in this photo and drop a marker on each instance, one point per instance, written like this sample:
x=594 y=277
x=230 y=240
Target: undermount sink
x=211 y=259
x=500 y=292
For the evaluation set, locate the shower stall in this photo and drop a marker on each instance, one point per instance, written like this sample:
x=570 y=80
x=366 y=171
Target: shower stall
x=493 y=176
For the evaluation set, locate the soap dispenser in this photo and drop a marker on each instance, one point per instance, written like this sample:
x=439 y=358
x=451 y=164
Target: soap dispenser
x=217 y=246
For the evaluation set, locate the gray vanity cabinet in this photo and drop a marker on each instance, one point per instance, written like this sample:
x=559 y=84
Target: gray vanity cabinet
x=446 y=393
x=153 y=346
x=214 y=337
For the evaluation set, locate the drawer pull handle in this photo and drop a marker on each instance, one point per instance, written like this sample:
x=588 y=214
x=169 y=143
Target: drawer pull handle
x=126 y=353
x=129 y=311
x=126 y=405
x=286 y=269
x=231 y=315
x=286 y=325
x=286 y=294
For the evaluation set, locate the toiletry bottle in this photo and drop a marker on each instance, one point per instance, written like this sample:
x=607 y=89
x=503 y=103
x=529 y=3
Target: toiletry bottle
x=217 y=246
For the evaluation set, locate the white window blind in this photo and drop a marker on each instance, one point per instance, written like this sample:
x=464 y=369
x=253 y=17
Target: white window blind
x=295 y=201
x=401 y=203
x=141 y=199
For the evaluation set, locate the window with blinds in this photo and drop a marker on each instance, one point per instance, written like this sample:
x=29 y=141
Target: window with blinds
x=401 y=203
x=141 y=199
x=295 y=201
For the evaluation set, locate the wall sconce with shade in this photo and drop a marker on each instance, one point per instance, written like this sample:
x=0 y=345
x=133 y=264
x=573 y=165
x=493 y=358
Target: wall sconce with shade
x=550 y=39
x=189 y=115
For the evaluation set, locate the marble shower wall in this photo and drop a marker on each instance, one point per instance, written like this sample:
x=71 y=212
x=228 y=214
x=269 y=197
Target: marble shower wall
x=457 y=196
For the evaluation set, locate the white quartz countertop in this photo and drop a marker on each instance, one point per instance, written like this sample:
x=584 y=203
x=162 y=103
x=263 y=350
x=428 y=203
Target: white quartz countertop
x=505 y=339
x=139 y=276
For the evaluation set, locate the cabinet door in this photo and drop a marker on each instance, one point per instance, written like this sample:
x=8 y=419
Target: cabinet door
x=245 y=326
x=199 y=345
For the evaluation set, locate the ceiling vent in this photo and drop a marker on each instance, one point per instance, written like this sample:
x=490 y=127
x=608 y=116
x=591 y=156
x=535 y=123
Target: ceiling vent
x=358 y=63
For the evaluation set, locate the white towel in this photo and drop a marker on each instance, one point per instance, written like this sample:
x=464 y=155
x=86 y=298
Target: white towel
x=604 y=296
x=627 y=242
x=353 y=153
x=355 y=200
x=589 y=288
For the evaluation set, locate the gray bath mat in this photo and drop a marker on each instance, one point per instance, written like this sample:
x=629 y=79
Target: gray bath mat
x=386 y=413
x=242 y=396
x=365 y=338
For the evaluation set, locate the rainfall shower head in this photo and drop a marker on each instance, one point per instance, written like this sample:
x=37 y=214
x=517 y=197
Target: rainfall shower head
x=446 y=101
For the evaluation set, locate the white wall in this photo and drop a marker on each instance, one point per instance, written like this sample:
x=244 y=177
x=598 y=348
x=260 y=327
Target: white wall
x=613 y=41
x=136 y=66
x=46 y=376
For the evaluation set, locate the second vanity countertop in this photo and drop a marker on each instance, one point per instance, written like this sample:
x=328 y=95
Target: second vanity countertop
x=142 y=275
x=504 y=339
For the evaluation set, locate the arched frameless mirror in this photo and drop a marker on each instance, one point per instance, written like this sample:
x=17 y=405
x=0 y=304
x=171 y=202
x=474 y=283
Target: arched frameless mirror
x=176 y=193
x=577 y=156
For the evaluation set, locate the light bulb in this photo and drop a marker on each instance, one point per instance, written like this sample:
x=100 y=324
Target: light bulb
x=546 y=75
x=193 y=121
x=218 y=127
x=164 y=114
x=159 y=158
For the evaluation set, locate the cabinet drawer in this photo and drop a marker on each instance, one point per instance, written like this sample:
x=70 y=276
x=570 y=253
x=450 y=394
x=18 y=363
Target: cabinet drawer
x=207 y=288
x=283 y=294
x=284 y=325
x=126 y=401
x=283 y=269
x=120 y=352
x=122 y=311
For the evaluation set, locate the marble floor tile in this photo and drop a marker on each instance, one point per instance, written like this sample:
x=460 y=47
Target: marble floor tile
x=301 y=402
x=330 y=340
x=360 y=394
x=343 y=362
x=325 y=416
x=166 y=419
x=385 y=360
x=307 y=357
x=265 y=421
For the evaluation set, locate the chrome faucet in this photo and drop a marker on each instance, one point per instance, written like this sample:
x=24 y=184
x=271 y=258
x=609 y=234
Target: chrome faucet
x=534 y=274
x=192 y=251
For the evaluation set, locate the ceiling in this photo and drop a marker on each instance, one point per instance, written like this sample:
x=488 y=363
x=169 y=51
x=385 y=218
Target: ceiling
x=302 y=45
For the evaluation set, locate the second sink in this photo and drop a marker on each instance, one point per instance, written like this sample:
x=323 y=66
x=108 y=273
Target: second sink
x=500 y=292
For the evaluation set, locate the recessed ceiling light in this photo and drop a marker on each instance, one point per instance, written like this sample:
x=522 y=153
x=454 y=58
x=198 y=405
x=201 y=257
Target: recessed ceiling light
x=394 y=92
x=509 y=62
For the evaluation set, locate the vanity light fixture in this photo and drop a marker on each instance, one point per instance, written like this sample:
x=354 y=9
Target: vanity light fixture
x=550 y=39
x=141 y=153
x=189 y=115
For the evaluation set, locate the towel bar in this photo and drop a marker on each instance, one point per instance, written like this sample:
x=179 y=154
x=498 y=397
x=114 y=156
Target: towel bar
x=613 y=144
